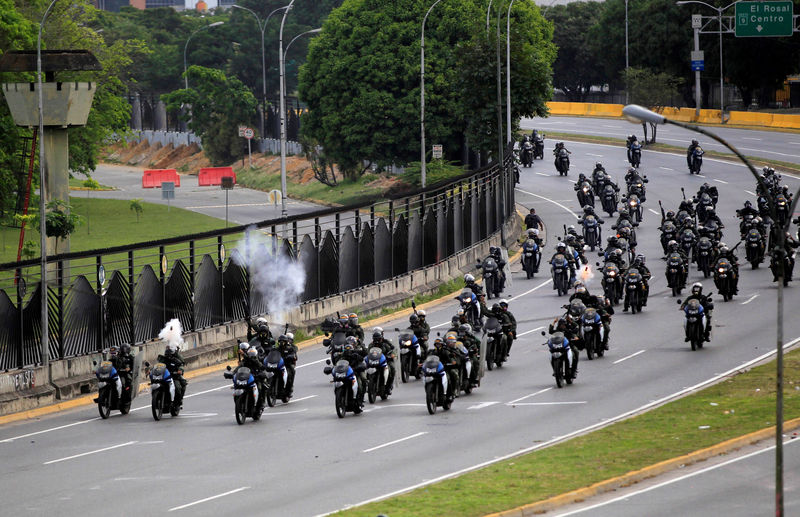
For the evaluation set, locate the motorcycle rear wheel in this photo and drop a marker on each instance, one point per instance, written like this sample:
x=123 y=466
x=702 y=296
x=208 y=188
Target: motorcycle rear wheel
x=240 y=409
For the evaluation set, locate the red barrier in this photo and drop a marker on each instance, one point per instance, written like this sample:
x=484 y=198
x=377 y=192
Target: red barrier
x=210 y=176
x=152 y=178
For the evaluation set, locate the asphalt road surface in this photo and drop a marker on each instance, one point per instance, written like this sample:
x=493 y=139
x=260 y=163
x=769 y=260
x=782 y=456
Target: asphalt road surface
x=772 y=145
x=302 y=460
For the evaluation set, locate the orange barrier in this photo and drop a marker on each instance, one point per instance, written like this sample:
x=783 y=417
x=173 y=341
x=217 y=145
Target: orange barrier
x=210 y=176
x=152 y=178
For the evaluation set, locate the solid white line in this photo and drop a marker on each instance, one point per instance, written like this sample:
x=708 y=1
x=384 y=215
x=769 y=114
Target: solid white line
x=720 y=181
x=204 y=392
x=666 y=168
x=394 y=442
x=530 y=290
x=597 y=155
x=653 y=211
x=312 y=362
x=208 y=499
x=440 y=325
x=542 y=174
x=572 y=181
x=750 y=138
x=88 y=453
x=681 y=478
x=483 y=405
x=750 y=299
x=528 y=396
x=572 y=434
x=9 y=440
x=700 y=175
x=273 y=413
x=548 y=199
x=548 y=403
x=628 y=357
x=302 y=398
x=529 y=331
x=751 y=193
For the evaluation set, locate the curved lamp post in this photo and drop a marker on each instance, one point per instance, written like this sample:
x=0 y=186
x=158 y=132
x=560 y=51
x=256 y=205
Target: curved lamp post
x=284 y=213
x=186 y=46
x=422 y=96
x=638 y=114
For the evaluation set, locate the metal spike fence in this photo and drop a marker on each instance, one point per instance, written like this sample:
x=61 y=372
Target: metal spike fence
x=206 y=279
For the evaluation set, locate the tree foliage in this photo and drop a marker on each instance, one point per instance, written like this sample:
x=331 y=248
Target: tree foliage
x=219 y=104
x=575 y=70
x=652 y=89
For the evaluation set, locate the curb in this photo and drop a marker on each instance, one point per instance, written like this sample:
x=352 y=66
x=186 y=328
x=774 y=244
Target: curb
x=89 y=399
x=636 y=476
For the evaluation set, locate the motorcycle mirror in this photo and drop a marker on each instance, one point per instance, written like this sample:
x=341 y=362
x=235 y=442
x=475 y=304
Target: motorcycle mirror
x=543 y=333
x=147 y=364
x=94 y=363
x=327 y=361
x=327 y=370
x=396 y=329
x=678 y=301
x=228 y=368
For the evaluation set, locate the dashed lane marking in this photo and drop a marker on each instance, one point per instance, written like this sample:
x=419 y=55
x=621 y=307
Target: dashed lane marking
x=628 y=357
x=527 y=396
x=394 y=442
x=208 y=499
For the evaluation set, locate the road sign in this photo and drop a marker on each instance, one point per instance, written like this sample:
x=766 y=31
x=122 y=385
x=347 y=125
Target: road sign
x=437 y=152
x=167 y=190
x=698 y=66
x=697 y=21
x=248 y=133
x=227 y=182
x=698 y=60
x=241 y=130
x=762 y=19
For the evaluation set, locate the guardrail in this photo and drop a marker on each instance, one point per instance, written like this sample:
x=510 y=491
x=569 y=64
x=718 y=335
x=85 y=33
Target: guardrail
x=126 y=294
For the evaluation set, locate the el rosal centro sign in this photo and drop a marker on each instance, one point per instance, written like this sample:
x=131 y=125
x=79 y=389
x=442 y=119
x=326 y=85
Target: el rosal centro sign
x=760 y=19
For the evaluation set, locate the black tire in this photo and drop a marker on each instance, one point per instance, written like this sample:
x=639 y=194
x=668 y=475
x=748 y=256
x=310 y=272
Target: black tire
x=404 y=369
x=490 y=359
x=157 y=407
x=590 y=350
x=446 y=404
x=174 y=410
x=240 y=409
x=559 y=374
x=341 y=402
x=430 y=397
x=272 y=392
x=489 y=285
x=125 y=409
x=104 y=403
x=601 y=351
x=372 y=390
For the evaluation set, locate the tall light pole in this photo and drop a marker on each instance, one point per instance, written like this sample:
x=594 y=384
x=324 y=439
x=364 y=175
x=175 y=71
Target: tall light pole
x=508 y=73
x=719 y=18
x=422 y=96
x=638 y=114
x=42 y=207
x=262 y=27
x=186 y=46
x=284 y=213
x=627 y=92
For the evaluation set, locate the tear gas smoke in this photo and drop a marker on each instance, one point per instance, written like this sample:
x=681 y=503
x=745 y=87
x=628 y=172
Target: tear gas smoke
x=279 y=279
x=586 y=274
x=171 y=333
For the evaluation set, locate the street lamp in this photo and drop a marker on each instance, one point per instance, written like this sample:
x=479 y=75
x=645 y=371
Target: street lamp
x=422 y=95
x=262 y=28
x=638 y=114
x=508 y=73
x=42 y=214
x=281 y=57
x=719 y=17
x=185 y=77
x=627 y=89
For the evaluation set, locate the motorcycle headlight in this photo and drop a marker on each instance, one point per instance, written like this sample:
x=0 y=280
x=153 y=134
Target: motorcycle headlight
x=721 y=270
x=611 y=273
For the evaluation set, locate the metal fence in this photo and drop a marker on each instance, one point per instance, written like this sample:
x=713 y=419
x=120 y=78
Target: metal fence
x=126 y=294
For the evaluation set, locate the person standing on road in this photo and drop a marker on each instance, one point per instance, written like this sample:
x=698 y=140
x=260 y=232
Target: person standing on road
x=534 y=221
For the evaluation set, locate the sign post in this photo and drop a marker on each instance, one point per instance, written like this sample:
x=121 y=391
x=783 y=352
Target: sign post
x=437 y=152
x=167 y=191
x=248 y=134
x=227 y=184
x=698 y=61
x=764 y=19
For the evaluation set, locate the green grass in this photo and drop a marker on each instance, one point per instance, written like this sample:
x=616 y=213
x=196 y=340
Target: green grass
x=732 y=408
x=78 y=183
x=435 y=171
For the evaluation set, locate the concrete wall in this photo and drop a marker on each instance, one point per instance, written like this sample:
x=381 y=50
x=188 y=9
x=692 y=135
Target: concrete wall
x=263 y=145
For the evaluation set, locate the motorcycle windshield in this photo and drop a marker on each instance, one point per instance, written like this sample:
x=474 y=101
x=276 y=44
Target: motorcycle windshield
x=489 y=265
x=242 y=375
x=375 y=354
x=406 y=335
x=432 y=362
x=274 y=357
x=492 y=325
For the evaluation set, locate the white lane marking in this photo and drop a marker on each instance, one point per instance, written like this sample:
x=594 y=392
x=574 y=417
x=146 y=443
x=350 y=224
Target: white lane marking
x=530 y=290
x=750 y=138
x=312 y=362
x=9 y=440
x=223 y=206
x=653 y=211
x=628 y=357
x=542 y=174
x=548 y=199
x=666 y=168
x=572 y=434
x=88 y=453
x=751 y=193
x=681 y=478
x=750 y=299
x=528 y=396
x=549 y=403
x=700 y=175
x=572 y=181
x=204 y=392
x=440 y=325
x=272 y=413
x=795 y=143
x=302 y=398
x=720 y=181
x=394 y=442
x=208 y=499
x=483 y=405
x=529 y=331
x=597 y=155
x=193 y=414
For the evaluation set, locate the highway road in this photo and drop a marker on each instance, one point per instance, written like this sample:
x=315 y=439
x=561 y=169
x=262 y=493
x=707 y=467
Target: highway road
x=302 y=460
x=781 y=146
x=732 y=486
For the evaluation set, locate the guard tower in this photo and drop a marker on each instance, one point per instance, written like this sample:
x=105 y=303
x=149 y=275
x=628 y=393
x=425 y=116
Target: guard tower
x=64 y=105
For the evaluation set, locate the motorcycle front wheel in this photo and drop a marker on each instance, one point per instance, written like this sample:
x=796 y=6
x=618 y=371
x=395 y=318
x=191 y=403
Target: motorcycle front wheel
x=341 y=402
x=104 y=403
x=557 y=372
x=240 y=408
x=405 y=368
x=157 y=406
x=430 y=397
x=272 y=392
x=372 y=390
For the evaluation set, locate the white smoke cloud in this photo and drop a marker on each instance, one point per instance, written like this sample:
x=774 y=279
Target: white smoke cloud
x=172 y=334
x=586 y=274
x=279 y=279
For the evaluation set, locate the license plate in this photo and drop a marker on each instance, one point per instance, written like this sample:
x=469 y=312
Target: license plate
x=370 y=371
x=404 y=351
x=556 y=355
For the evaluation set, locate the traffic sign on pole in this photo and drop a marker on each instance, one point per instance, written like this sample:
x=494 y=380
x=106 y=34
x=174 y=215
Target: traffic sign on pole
x=763 y=19
x=698 y=60
x=437 y=151
x=248 y=133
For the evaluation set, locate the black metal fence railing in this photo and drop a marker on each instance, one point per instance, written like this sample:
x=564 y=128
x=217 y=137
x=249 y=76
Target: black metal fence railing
x=226 y=275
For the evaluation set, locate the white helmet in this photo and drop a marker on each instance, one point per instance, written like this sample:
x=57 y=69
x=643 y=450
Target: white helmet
x=261 y=320
x=290 y=335
x=469 y=278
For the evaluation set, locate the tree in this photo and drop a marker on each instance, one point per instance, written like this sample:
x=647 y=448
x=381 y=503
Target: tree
x=651 y=89
x=219 y=104
x=759 y=66
x=136 y=207
x=575 y=70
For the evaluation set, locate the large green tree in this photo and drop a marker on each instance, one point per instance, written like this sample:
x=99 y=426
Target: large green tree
x=218 y=106
x=362 y=75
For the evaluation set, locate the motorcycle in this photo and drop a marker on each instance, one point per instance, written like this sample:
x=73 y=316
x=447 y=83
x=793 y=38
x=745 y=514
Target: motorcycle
x=687 y=240
x=585 y=194
x=696 y=160
x=526 y=154
x=592 y=333
x=787 y=266
x=634 y=290
x=560 y=271
x=335 y=345
x=345 y=387
x=635 y=154
x=111 y=394
x=725 y=278
x=436 y=384
x=635 y=208
x=754 y=249
x=377 y=375
x=591 y=232
x=531 y=257
x=496 y=351
x=610 y=282
x=636 y=186
x=277 y=376
x=538 y=146
x=562 y=162
x=705 y=255
x=669 y=232
x=410 y=355
x=559 y=359
x=491 y=278
x=245 y=394
x=609 y=200
x=782 y=206
x=675 y=273
x=684 y=218
x=470 y=308
x=162 y=392
x=694 y=323
x=703 y=205
x=711 y=230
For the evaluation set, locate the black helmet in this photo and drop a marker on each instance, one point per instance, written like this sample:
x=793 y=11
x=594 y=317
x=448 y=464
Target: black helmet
x=283 y=338
x=695 y=142
x=496 y=307
x=455 y=321
x=169 y=351
x=670 y=214
x=376 y=335
x=598 y=165
x=413 y=318
x=263 y=329
x=125 y=348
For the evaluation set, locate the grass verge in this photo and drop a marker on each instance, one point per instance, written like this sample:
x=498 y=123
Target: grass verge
x=737 y=406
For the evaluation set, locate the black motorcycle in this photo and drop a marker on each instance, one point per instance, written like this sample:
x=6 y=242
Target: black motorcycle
x=491 y=278
x=693 y=324
x=705 y=255
x=634 y=208
x=585 y=194
x=704 y=204
x=245 y=394
x=437 y=390
x=107 y=396
x=669 y=232
x=162 y=392
x=609 y=200
x=277 y=376
x=560 y=271
x=526 y=154
x=687 y=241
x=538 y=147
x=611 y=282
x=345 y=388
x=378 y=382
x=725 y=278
x=410 y=354
x=635 y=154
x=562 y=162
x=559 y=359
x=591 y=329
x=634 y=290
x=591 y=232
x=531 y=256
x=696 y=160
x=496 y=351
x=676 y=273
x=754 y=247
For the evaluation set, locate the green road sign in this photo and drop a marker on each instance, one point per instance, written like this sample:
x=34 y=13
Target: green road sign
x=759 y=19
